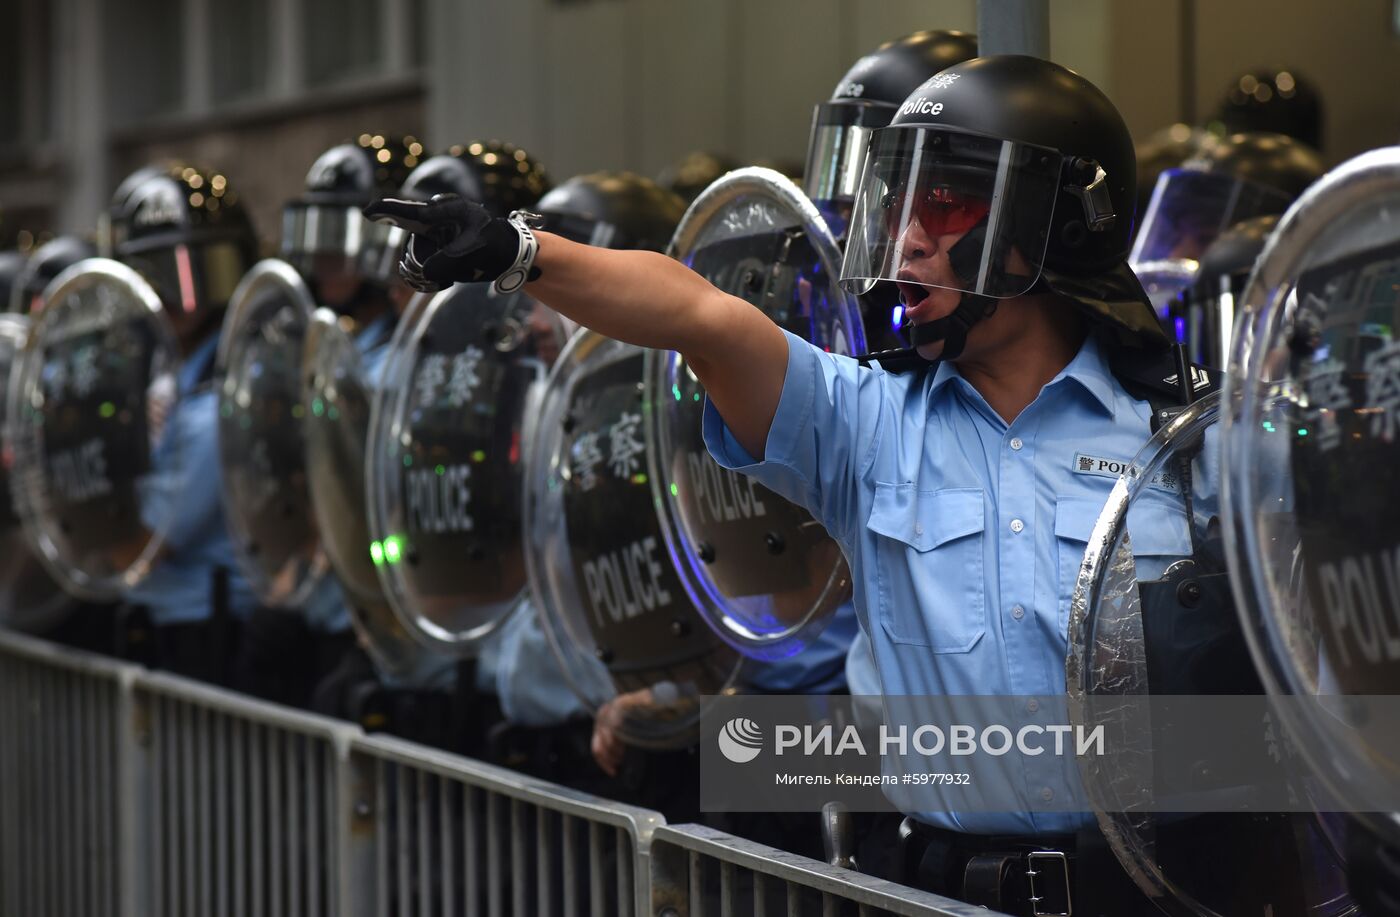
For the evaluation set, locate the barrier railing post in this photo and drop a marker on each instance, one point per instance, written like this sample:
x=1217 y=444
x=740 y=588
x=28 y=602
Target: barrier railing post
x=134 y=739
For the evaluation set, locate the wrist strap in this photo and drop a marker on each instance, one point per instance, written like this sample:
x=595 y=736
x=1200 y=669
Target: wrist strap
x=516 y=275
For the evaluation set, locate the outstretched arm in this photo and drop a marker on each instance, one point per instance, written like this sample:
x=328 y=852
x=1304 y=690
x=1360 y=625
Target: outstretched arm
x=639 y=297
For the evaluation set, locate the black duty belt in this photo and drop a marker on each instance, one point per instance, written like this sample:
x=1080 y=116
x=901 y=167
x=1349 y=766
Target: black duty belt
x=1025 y=875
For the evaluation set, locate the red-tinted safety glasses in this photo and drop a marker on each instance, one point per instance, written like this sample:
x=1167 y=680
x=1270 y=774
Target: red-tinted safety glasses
x=940 y=211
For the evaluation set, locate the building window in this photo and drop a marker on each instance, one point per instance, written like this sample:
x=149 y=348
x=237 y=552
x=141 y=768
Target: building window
x=238 y=50
x=343 y=40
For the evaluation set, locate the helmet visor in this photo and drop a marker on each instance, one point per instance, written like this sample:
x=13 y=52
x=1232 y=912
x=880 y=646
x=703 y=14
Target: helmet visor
x=309 y=230
x=945 y=209
x=194 y=277
x=835 y=152
x=1189 y=209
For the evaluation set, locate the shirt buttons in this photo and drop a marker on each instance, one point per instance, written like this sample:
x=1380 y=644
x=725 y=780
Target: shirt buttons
x=1016 y=443
x=918 y=528
x=1047 y=794
x=1017 y=525
x=1018 y=612
x=1032 y=705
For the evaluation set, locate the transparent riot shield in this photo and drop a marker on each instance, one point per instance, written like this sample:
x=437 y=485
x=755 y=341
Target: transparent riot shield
x=89 y=397
x=338 y=390
x=445 y=457
x=30 y=598
x=1153 y=616
x=614 y=610
x=1311 y=481
x=762 y=572
x=267 y=497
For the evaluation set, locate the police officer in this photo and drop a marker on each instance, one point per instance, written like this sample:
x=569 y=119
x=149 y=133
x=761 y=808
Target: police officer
x=503 y=178
x=348 y=264
x=999 y=203
x=187 y=234
x=44 y=264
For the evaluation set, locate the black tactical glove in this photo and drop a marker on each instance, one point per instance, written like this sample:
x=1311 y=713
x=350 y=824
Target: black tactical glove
x=453 y=240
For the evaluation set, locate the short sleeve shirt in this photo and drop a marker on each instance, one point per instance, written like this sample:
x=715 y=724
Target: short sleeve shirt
x=964 y=533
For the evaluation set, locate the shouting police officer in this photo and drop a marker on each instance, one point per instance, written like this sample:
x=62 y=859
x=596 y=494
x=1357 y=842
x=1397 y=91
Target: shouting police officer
x=999 y=202
x=186 y=233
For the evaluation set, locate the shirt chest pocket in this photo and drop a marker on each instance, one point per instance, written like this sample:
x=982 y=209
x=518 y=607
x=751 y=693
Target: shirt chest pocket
x=1157 y=530
x=929 y=565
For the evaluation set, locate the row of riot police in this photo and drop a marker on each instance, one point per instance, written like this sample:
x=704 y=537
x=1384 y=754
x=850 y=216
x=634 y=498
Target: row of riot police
x=460 y=517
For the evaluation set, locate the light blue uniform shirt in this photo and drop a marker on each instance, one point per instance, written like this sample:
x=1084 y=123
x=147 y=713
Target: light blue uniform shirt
x=185 y=489
x=529 y=682
x=325 y=610
x=820 y=668
x=964 y=534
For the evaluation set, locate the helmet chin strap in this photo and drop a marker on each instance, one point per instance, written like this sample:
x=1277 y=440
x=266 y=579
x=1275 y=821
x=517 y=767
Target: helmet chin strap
x=952 y=329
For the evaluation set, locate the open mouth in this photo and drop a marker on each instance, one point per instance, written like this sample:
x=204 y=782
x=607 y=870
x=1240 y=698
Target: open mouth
x=913 y=295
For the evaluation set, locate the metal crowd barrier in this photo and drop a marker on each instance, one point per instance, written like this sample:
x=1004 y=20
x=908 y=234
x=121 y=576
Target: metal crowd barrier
x=127 y=793
x=698 y=872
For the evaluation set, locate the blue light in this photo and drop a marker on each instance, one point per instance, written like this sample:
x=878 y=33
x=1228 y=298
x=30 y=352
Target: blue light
x=897 y=317
x=1180 y=330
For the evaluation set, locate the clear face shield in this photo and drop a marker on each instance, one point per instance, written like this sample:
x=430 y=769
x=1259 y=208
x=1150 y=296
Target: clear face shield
x=1189 y=209
x=942 y=209
x=192 y=278
x=314 y=234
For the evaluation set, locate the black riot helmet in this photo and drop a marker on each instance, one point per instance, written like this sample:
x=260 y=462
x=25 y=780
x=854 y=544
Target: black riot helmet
x=1238 y=177
x=1273 y=101
x=500 y=176
x=326 y=222
x=1025 y=171
x=866 y=98
x=1203 y=316
x=45 y=263
x=694 y=172
x=111 y=223
x=613 y=210
x=186 y=232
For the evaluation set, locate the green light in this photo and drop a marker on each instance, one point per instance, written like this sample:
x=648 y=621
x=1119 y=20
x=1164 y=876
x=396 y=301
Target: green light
x=107 y=409
x=479 y=455
x=318 y=407
x=408 y=461
x=675 y=491
x=298 y=411
x=639 y=478
x=441 y=470
x=1268 y=426
x=393 y=549
x=676 y=390
x=376 y=553
x=333 y=413
x=697 y=396
x=1302 y=431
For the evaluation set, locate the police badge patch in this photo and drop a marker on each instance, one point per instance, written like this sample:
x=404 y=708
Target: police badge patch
x=1112 y=468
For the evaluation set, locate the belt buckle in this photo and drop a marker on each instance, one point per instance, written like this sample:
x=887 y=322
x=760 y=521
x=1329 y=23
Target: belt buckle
x=1047 y=857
